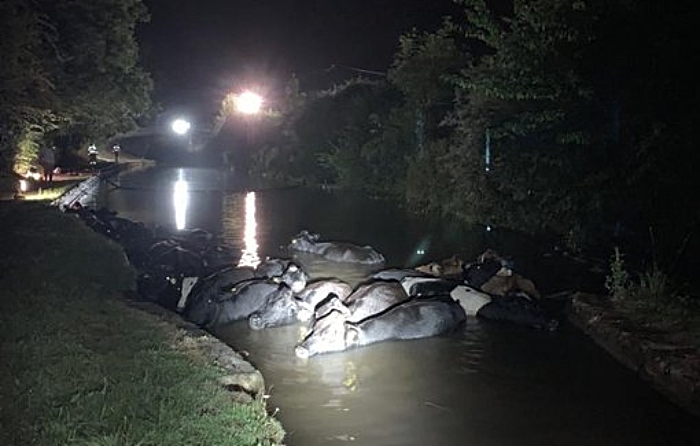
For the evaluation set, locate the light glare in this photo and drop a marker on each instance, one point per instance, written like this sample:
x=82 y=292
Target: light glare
x=181 y=198
x=249 y=256
x=248 y=103
x=180 y=126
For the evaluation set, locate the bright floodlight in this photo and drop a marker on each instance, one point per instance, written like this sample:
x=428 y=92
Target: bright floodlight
x=248 y=103
x=180 y=126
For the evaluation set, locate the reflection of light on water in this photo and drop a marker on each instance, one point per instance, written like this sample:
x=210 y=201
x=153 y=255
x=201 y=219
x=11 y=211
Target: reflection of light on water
x=249 y=256
x=181 y=198
x=303 y=332
x=350 y=381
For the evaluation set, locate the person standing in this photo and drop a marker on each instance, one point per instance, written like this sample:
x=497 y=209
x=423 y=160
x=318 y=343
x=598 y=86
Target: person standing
x=115 y=150
x=47 y=159
x=92 y=155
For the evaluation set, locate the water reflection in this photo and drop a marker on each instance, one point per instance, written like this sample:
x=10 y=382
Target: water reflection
x=485 y=385
x=491 y=384
x=249 y=256
x=368 y=395
x=181 y=199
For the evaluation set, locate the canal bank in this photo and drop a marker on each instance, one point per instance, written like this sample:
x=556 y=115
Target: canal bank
x=82 y=360
x=667 y=358
x=242 y=379
x=498 y=337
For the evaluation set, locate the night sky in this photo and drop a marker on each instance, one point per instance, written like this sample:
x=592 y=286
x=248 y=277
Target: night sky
x=197 y=50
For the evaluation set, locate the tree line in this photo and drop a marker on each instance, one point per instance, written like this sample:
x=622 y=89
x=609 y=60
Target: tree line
x=69 y=74
x=553 y=116
x=548 y=116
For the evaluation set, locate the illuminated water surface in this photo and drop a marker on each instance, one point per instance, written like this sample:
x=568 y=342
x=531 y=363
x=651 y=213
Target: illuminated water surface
x=487 y=384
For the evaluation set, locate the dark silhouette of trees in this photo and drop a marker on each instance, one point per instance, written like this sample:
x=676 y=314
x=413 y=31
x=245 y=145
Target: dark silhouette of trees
x=70 y=71
x=589 y=107
x=552 y=116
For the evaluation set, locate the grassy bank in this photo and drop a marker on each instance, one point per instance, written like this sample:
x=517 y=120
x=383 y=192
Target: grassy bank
x=79 y=366
x=650 y=326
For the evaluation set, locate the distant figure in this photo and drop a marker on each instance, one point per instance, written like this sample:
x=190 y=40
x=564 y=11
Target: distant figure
x=92 y=155
x=47 y=159
x=115 y=150
x=227 y=161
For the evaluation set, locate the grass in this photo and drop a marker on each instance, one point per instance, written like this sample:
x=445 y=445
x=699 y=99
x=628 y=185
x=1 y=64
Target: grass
x=653 y=301
x=79 y=366
x=39 y=191
x=48 y=194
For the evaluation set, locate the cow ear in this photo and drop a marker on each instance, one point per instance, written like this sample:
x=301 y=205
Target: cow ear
x=338 y=304
x=352 y=335
x=332 y=303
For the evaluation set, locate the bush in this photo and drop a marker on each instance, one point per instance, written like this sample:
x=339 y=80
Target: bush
x=653 y=300
x=618 y=282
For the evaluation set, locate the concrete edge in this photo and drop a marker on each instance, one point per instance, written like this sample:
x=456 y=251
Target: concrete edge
x=672 y=368
x=242 y=378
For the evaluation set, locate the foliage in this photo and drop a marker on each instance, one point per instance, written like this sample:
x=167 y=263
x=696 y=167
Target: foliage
x=654 y=285
x=586 y=121
x=81 y=367
x=526 y=93
x=69 y=68
x=21 y=72
x=651 y=299
x=423 y=70
x=364 y=134
x=326 y=135
x=618 y=281
x=28 y=145
x=424 y=192
x=362 y=156
x=272 y=160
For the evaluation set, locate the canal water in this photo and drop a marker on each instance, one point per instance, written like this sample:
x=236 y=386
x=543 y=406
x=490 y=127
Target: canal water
x=486 y=384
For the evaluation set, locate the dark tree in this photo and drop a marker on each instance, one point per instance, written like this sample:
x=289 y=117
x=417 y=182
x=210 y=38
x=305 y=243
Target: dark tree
x=70 y=70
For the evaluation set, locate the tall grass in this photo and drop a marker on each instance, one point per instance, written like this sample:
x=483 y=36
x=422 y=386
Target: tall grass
x=79 y=366
x=652 y=298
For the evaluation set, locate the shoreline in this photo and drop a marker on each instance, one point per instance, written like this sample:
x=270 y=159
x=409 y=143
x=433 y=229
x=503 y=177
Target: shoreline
x=669 y=365
x=666 y=361
x=242 y=378
x=669 y=362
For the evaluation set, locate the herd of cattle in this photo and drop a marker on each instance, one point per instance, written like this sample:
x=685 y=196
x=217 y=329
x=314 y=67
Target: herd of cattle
x=192 y=273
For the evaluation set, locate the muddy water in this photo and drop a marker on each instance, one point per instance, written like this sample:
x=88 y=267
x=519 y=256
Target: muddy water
x=485 y=384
